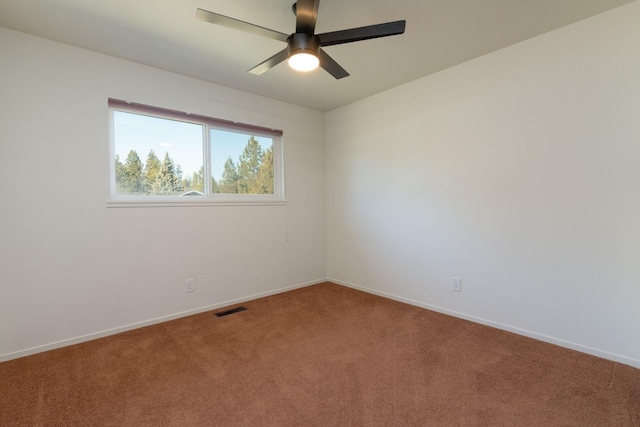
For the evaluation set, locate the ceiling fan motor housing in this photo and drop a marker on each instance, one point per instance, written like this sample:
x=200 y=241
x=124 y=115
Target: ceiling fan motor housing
x=303 y=43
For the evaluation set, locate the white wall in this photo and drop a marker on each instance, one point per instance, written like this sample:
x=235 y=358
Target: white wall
x=71 y=268
x=518 y=172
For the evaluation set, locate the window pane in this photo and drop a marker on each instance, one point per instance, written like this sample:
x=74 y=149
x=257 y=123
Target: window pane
x=241 y=163
x=156 y=156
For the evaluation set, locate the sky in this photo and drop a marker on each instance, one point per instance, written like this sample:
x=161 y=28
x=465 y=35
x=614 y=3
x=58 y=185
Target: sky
x=182 y=140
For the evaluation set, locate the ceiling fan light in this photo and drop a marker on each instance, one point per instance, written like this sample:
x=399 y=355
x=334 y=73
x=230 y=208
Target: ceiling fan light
x=304 y=61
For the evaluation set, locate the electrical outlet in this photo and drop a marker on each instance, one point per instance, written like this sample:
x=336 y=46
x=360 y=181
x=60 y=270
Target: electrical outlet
x=456 y=284
x=189 y=285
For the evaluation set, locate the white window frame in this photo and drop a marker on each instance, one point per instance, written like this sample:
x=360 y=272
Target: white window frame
x=209 y=199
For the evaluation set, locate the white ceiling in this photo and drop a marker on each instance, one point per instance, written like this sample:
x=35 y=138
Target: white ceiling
x=165 y=34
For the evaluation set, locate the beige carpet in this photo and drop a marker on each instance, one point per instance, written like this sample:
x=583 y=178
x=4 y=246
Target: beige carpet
x=325 y=355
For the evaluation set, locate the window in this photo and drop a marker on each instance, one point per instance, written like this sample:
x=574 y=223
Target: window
x=161 y=156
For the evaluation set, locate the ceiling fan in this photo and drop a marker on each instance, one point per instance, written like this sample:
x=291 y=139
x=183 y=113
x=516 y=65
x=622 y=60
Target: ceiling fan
x=303 y=49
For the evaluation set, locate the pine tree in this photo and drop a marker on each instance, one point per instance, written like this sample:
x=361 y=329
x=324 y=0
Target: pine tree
x=132 y=179
x=248 y=167
x=167 y=176
x=229 y=183
x=152 y=173
x=186 y=184
x=119 y=175
x=214 y=186
x=177 y=180
x=264 y=181
x=197 y=183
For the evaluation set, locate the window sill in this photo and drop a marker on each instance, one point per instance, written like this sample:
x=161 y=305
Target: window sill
x=172 y=202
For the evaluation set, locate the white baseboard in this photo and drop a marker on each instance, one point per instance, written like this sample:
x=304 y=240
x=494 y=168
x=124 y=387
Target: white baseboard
x=562 y=343
x=105 y=333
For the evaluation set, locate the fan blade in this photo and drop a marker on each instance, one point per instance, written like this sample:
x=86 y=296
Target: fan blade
x=306 y=16
x=225 y=21
x=362 y=33
x=271 y=62
x=331 y=66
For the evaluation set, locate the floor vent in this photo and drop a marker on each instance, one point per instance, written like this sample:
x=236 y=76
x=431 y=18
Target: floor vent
x=233 y=310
